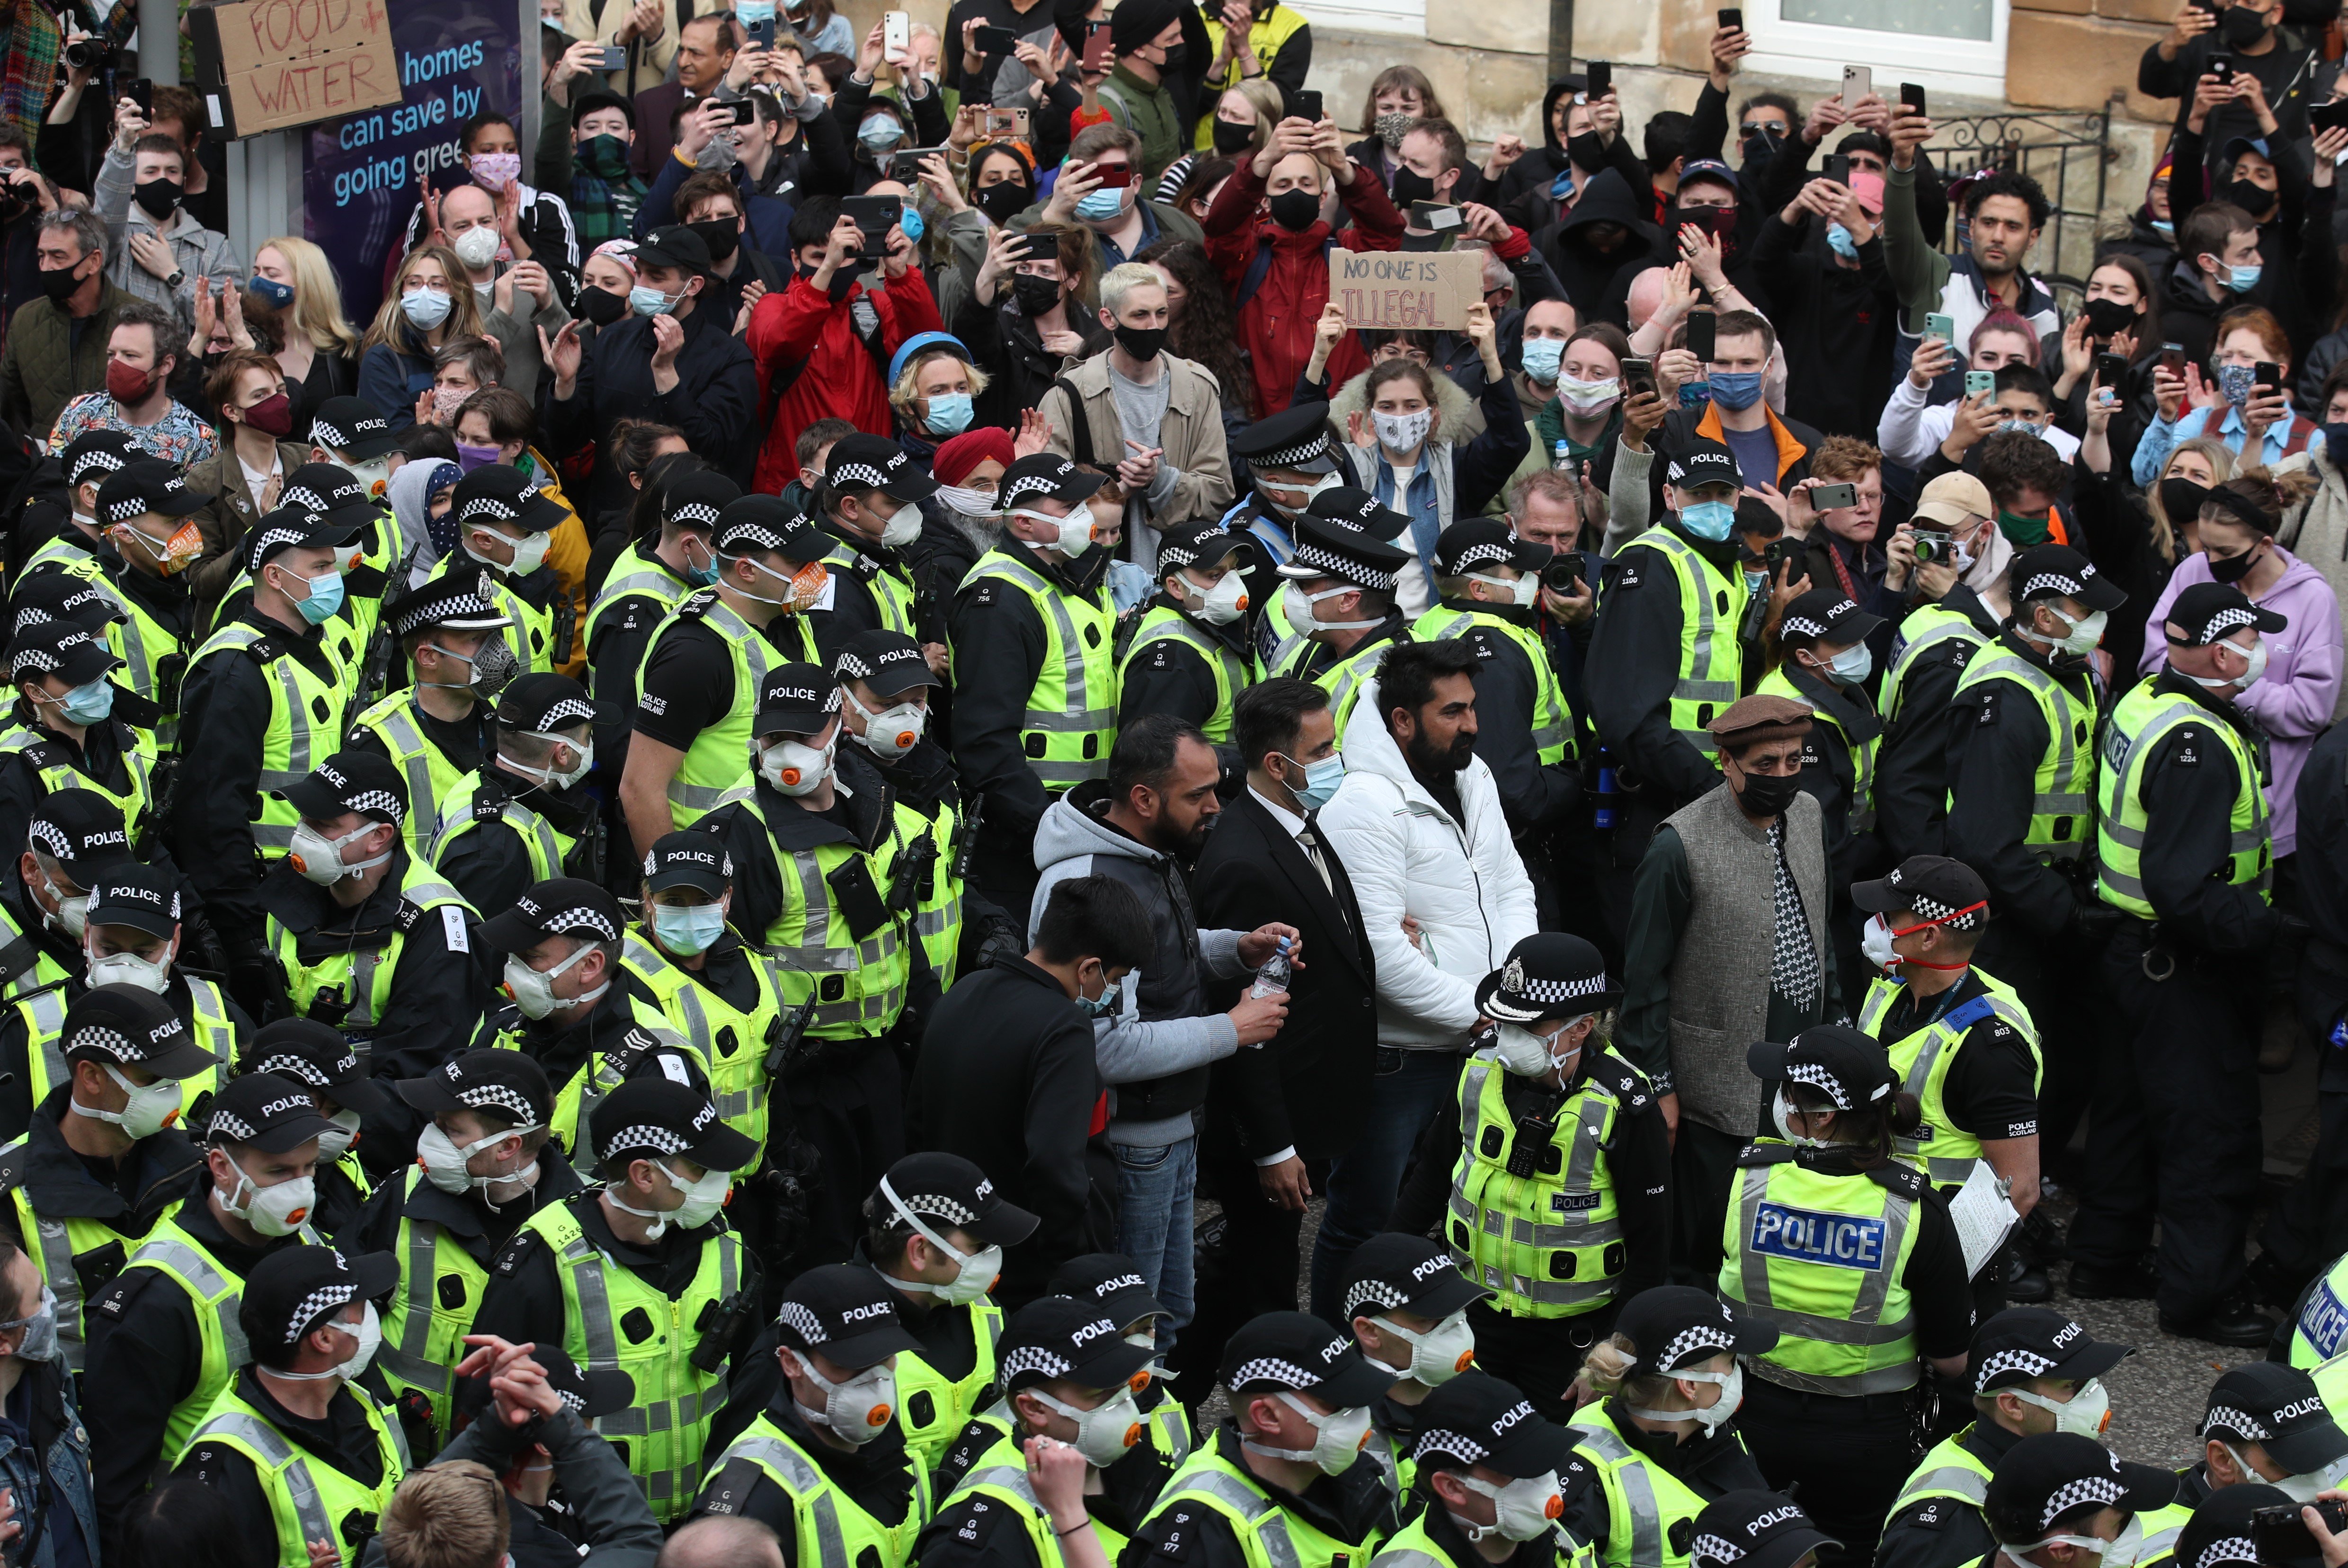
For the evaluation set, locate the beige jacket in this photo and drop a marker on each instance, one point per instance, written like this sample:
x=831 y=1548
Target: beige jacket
x=2317 y=532
x=1195 y=469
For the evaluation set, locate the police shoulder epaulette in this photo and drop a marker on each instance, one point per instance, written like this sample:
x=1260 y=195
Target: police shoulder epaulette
x=265 y=650
x=631 y=1049
x=1629 y=1083
x=1900 y=1181
x=14 y=1161
x=1966 y=1014
x=697 y=603
x=408 y=910
x=1767 y=1152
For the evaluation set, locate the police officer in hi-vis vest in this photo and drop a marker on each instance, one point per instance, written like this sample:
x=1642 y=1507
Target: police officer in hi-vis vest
x=1547 y=1171
x=70 y=727
x=504 y=524
x=648 y=1243
x=437 y=730
x=1191 y=653
x=2184 y=852
x=64 y=537
x=525 y=814
x=1406 y=1303
x=164 y=1337
x=868 y=509
x=2263 y=1424
x=1251 y=1495
x=1339 y=602
x=365 y=938
x=2060 y=1489
x=150 y=539
x=1661 y=1427
x=117 y=1113
x=2028 y=1370
x=296 y=1448
x=1958 y=1037
x=1754 y=1530
x=1035 y=668
x=1851 y=1253
x=74 y=836
x=825 y=1464
x=1493 y=1478
x=1069 y=1378
x=133 y=936
x=318 y=1058
x=484 y=1164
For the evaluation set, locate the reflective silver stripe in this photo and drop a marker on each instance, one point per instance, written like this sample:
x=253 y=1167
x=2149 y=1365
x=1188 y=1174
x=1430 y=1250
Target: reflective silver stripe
x=57 y=1265
x=410 y=1359
x=1180 y=630
x=701 y=798
x=1251 y=1505
x=1629 y=1471
x=2159 y=1542
x=198 y=1271
x=45 y=1017
x=1580 y=1169
x=756 y=654
x=411 y=748
x=1910 y=650
x=1946 y=1480
x=814 y=953
x=292 y=1470
x=806 y=1486
x=1008 y=1477
x=1078 y=718
x=1863 y=1327
x=658 y=585
x=2005 y=665
x=1404 y=1557
x=1168 y=1418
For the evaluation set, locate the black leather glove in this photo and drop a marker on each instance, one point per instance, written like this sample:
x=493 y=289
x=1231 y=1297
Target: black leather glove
x=2092 y=924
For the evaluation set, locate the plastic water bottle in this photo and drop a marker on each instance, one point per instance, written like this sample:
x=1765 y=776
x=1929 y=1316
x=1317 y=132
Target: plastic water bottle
x=1564 y=463
x=1272 y=980
x=1602 y=815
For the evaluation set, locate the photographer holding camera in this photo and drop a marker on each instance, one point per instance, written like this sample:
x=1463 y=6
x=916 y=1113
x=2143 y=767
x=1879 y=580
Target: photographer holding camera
x=23 y=197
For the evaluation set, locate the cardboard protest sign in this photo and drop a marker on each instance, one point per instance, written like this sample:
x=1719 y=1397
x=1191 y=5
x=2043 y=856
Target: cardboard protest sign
x=265 y=65
x=1398 y=290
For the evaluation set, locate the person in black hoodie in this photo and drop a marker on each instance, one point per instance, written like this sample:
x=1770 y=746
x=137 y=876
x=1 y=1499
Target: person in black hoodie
x=1607 y=233
x=1579 y=141
x=1710 y=202
x=1836 y=311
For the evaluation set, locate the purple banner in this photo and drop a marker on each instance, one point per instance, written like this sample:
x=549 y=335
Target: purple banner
x=363 y=174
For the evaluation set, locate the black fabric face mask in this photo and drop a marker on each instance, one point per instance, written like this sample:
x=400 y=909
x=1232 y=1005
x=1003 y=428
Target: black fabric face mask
x=2240 y=26
x=2231 y=568
x=2249 y=196
x=2181 y=499
x=1142 y=342
x=2106 y=316
x=1034 y=295
x=1768 y=795
x=720 y=235
x=1003 y=202
x=1294 y=209
x=601 y=306
x=156 y=198
x=1410 y=185
x=1588 y=153
x=1231 y=137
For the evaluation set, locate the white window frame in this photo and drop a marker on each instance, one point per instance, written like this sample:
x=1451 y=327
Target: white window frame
x=1811 y=49
x=1406 y=17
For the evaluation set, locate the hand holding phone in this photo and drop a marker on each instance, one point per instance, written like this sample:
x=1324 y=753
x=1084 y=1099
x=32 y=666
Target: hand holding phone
x=1732 y=19
x=1857 y=81
x=1638 y=378
x=1833 y=498
x=1912 y=98
x=1838 y=169
x=990 y=40
x=1308 y=105
x=1703 y=327
x=1600 y=77
x=1943 y=327
x=1981 y=383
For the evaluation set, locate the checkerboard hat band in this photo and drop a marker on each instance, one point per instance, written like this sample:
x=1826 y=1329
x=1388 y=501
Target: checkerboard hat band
x=2225 y=621
x=2078 y=1493
x=1697 y=1336
x=325 y=1298
x=469 y=605
x=1458 y=1444
x=2234 y=1420
x=271 y=536
x=1475 y=555
x=862 y=475
x=382 y=800
x=233 y=1128
x=2052 y=583
x=660 y=1140
x=97 y=458
x=1272 y=1369
x=593 y=920
x=1030 y=484
x=2029 y=1363
x=489 y=506
x=1036 y=1359
x=2232 y=1549
x=1714 y=1549
x=942 y=1208
x=1934 y=909
x=699 y=512
x=1819 y=1079
x=801 y=1321
x=316 y=500
x=751 y=535
x=1802 y=627
x=501 y=1097
x=97 y=1037
x=300 y=1069
x=1541 y=993
x=1289 y=456
x=1343 y=566
x=1374 y=1292
x=569 y=707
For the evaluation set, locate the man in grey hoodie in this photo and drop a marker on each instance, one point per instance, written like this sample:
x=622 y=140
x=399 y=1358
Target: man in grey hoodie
x=1155 y=1034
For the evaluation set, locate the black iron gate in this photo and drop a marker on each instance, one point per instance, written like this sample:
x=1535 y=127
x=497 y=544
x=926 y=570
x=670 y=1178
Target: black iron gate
x=2067 y=154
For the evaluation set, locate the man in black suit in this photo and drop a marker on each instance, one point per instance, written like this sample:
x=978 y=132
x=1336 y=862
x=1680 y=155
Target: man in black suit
x=1276 y=1115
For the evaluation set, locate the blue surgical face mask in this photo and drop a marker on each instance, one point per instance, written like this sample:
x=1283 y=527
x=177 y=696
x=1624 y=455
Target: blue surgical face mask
x=88 y=703
x=1542 y=358
x=1321 y=781
x=910 y=222
x=2026 y=427
x=688 y=929
x=1101 y=1007
x=1755 y=582
x=881 y=133
x=278 y=295
x=1736 y=389
x=425 y=308
x=1839 y=241
x=2164 y=228
x=1102 y=205
x=1853 y=664
x=1709 y=518
x=2244 y=278
x=645 y=300
x=949 y=414
x=325 y=597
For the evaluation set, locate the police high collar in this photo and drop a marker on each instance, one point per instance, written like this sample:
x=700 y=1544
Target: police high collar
x=1514 y=614
x=195 y=1216
x=924 y=777
x=29 y=918
x=572 y=810
x=1725 y=553
x=1446 y=1537
x=2072 y=672
x=466 y=1216
x=305 y=635
x=1847 y=705
x=62 y=1188
x=302 y=907
x=1080 y=576
x=344 y=1440
x=564 y=1047
x=858 y=786
x=2219 y=708
x=854 y=1468
x=1968 y=603
x=1681 y=1459
x=1987 y=1441
x=649 y=1260
x=166 y=596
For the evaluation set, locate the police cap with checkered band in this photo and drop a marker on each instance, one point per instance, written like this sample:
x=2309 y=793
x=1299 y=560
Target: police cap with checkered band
x=143 y=897
x=2275 y=1405
x=795 y=699
x=292 y=1289
x=90 y=456
x=60 y=648
x=2210 y=612
x=689 y=858
x=1849 y=1067
x=888 y=663
x=63 y=596
x=1397 y=1271
x=501 y=494
x=545 y=702
x=509 y=1085
x=147 y=485
x=1478 y=1420
x=1111 y=1280
x=128 y=1026
x=2023 y=1343
x=1298 y=1351
x=1344 y=535
x=1480 y=544
x=842 y=1312
x=1064 y=1337
x=1549 y=975
x=1933 y=886
x=2051 y=570
x=860 y=462
x=1753 y=1528
x=1045 y=476
x=1296 y=438
x=1206 y=541
x=264 y=1111
x=1672 y=1328
x=1827 y=616
x=559 y=906
x=82 y=831
x=946 y=1190
x=695 y=499
x=292 y=527
x=655 y=1117
x=757 y=524
x=460 y=601
x=317 y=1056
x=330 y=488
x=2045 y=1478
x=351 y=427
x=366 y=782
x=2218 y=1534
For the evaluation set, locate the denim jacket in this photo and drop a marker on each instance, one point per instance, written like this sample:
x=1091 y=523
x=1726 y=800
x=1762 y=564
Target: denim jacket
x=43 y=1438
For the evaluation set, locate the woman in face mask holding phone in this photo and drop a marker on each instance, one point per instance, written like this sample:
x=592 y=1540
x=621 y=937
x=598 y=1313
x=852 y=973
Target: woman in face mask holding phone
x=1834 y=1239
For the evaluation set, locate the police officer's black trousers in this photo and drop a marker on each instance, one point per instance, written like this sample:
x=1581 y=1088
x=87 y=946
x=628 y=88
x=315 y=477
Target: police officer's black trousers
x=2050 y=975
x=2174 y=1131
x=850 y=1107
x=1541 y=1356
x=1843 y=1458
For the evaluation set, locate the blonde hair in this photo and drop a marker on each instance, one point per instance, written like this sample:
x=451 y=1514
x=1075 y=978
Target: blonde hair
x=1606 y=1371
x=318 y=295
x=2164 y=528
x=390 y=327
x=1123 y=279
x=902 y=395
x=452 y=1515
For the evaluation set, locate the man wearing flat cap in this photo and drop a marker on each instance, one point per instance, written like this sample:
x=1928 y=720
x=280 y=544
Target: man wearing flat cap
x=1727 y=945
x=2185 y=852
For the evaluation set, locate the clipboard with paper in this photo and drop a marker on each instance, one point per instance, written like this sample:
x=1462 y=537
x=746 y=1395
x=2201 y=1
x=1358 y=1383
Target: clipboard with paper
x=1984 y=1216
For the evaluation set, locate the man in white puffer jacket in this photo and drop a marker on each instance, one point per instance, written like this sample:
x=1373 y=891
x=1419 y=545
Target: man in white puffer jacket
x=1419 y=825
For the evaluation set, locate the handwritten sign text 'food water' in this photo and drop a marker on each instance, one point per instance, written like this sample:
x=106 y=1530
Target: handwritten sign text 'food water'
x=295 y=62
x=1424 y=290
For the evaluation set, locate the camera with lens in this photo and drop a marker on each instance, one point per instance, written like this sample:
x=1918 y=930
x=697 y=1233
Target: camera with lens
x=2279 y=1535
x=1934 y=547
x=1565 y=568
x=88 y=54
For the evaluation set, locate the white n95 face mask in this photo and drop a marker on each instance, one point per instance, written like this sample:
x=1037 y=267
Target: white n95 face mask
x=152 y=1108
x=893 y=731
x=1219 y=606
x=1523 y=1510
x=1341 y=1435
x=276 y=1211
x=796 y=768
x=1106 y=1431
x=1441 y=1354
x=336 y=1142
x=858 y=1409
x=2086 y=1413
x=128 y=969
x=976 y=1273
x=1712 y=1417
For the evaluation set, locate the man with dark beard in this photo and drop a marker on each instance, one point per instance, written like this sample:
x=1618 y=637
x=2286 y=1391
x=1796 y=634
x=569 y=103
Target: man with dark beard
x=1144 y=825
